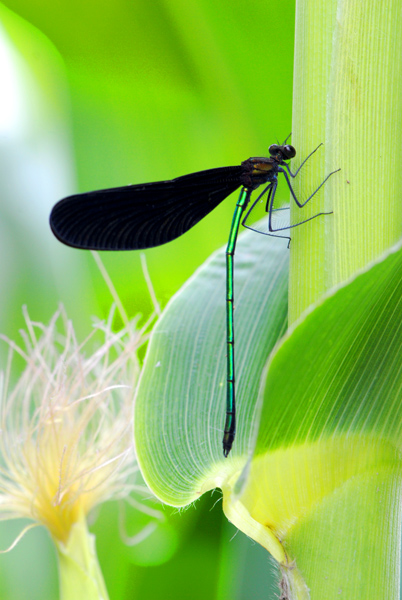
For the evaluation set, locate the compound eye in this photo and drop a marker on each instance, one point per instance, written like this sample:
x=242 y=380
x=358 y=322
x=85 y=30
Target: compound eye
x=273 y=149
x=289 y=151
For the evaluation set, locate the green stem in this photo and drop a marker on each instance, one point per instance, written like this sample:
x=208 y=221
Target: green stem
x=347 y=94
x=349 y=546
x=330 y=515
x=79 y=571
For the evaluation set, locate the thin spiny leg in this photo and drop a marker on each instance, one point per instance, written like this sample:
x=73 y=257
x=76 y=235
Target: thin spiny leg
x=271 y=191
x=287 y=237
x=301 y=204
x=270 y=209
x=297 y=224
x=267 y=189
x=304 y=161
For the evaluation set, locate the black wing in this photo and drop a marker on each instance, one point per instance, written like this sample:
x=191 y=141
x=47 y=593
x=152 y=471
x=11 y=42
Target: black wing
x=141 y=216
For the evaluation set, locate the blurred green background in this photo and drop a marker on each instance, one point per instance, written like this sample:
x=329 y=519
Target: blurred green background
x=102 y=94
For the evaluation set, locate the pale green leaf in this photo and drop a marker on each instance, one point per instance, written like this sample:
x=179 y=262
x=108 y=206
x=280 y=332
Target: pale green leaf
x=180 y=405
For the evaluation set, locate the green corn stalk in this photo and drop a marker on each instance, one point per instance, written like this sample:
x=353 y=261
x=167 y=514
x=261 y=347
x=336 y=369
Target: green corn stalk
x=314 y=475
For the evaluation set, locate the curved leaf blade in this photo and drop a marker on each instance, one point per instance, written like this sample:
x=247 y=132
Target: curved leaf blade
x=345 y=362
x=180 y=404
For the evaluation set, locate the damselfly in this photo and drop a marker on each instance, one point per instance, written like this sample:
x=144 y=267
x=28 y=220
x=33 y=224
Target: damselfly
x=142 y=216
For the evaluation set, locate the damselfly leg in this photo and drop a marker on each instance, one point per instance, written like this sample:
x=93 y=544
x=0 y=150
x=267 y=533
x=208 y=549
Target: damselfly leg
x=271 y=189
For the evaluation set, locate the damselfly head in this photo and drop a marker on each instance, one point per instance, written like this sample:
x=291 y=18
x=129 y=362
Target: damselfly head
x=285 y=152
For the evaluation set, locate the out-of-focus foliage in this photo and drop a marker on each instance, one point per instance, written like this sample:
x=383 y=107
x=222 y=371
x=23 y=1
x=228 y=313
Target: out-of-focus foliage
x=101 y=94
x=153 y=91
